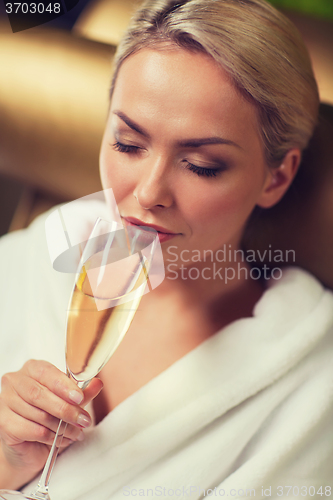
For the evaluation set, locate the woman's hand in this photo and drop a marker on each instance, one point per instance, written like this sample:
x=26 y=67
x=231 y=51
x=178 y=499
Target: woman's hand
x=32 y=400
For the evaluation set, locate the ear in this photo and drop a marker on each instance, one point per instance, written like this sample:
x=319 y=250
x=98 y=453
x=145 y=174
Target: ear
x=279 y=179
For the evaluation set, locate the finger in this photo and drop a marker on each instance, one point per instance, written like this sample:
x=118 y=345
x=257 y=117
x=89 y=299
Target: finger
x=92 y=390
x=55 y=380
x=20 y=407
x=43 y=418
x=19 y=430
x=39 y=396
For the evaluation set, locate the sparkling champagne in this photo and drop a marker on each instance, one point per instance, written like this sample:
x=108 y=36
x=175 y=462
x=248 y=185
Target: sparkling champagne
x=101 y=313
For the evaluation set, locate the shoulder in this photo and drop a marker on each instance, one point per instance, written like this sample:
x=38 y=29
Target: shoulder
x=294 y=331
x=34 y=294
x=295 y=318
x=296 y=294
x=33 y=297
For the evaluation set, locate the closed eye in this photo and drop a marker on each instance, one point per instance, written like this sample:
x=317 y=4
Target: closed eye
x=201 y=171
x=125 y=148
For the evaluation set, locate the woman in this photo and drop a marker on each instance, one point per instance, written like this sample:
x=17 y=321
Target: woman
x=220 y=386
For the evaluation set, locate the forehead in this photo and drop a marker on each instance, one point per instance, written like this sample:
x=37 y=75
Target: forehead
x=182 y=88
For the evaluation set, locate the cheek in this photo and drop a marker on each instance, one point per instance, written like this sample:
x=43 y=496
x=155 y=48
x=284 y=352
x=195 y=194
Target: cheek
x=114 y=175
x=217 y=208
x=213 y=205
x=103 y=165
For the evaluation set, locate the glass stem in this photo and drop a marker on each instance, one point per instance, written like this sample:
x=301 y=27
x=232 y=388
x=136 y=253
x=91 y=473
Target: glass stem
x=42 y=490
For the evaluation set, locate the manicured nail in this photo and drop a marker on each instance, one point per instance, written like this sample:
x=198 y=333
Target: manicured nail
x=83 y=420
x=76 y=397
x=80 y=436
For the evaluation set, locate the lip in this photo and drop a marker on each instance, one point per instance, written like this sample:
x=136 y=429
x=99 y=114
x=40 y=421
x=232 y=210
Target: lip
x=163 y=233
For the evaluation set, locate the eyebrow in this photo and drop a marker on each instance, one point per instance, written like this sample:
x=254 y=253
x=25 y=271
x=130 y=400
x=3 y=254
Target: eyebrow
x=187 y=143
x=131 y=124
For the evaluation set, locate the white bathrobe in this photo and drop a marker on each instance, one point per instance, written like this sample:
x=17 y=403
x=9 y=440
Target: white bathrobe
x=247 y=413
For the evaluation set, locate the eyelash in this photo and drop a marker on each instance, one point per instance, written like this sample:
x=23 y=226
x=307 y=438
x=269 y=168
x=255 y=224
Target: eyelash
x=123 y=148
x=200 y=171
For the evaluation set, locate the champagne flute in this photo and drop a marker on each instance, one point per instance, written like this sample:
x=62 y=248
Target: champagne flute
x=111 y=279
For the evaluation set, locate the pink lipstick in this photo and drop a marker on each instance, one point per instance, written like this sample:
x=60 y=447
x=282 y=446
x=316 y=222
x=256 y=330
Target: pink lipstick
x=164 y=234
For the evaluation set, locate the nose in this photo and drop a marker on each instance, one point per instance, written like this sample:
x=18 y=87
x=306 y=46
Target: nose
x=154 y=188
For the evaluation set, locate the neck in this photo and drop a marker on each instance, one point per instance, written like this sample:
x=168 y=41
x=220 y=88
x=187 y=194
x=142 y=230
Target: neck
x=223 y=289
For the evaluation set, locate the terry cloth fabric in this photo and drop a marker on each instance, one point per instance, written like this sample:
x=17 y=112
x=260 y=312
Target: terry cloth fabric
x=247 y=413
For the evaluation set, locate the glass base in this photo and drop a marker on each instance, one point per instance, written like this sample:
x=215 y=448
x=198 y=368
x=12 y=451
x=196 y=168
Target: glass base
x=17 y=495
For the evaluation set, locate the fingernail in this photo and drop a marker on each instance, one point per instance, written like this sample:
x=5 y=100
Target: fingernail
x=83 y=420
x=80 y=436
x=76 y=397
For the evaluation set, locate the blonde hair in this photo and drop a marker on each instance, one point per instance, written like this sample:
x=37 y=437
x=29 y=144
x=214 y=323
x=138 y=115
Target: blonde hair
x=258 y=46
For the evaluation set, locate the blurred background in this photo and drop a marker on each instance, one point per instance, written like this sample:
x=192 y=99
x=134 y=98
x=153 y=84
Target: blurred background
x=54 y=83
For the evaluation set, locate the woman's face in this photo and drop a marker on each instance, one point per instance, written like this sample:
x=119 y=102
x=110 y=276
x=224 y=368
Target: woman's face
x=181 y=150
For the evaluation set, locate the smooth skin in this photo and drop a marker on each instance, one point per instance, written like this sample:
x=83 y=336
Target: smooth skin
x=165 y=106
x=155 y=156
x=178 y=99
x=32 y=401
